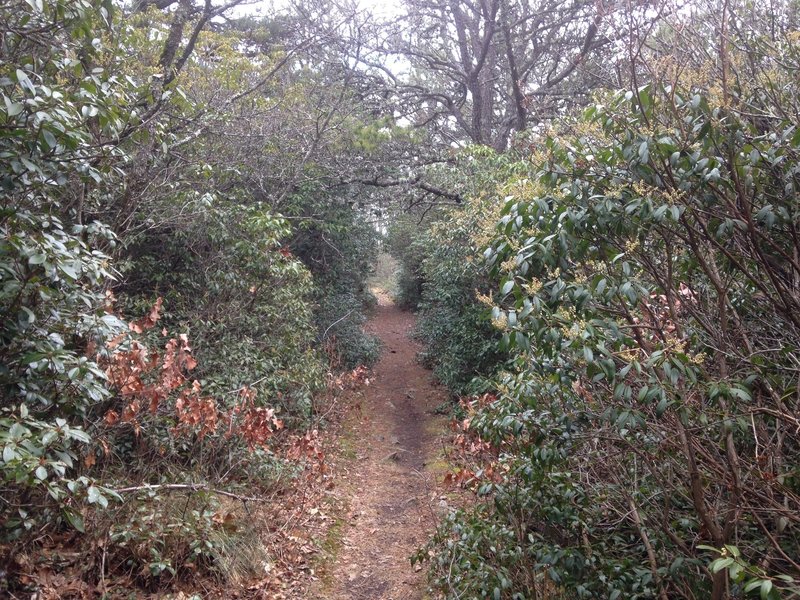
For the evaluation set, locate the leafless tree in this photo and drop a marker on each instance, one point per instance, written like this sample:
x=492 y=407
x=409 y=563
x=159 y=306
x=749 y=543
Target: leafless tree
x=482 y=69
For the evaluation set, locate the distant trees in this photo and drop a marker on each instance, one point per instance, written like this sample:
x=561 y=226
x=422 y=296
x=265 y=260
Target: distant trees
x=483 y=70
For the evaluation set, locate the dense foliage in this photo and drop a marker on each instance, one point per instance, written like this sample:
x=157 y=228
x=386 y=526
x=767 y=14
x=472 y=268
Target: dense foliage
x=645 y=442
x=54 y=269
x=441 y=279
x=339 y=249
x=191 y=205
x=162 y=319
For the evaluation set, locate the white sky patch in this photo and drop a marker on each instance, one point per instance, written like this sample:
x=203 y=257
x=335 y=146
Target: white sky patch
x=382 y=9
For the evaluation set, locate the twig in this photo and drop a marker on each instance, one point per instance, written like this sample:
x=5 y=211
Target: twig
x=193 y=487
x=103 y=586
x=246 y=386
x=337 y=321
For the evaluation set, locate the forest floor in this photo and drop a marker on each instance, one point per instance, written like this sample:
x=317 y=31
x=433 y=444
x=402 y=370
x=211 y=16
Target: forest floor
x=388 y=468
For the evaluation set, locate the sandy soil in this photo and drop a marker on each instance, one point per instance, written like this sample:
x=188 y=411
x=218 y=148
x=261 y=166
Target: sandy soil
x=388 y=490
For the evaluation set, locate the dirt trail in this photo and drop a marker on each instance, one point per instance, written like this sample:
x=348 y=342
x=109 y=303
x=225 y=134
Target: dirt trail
x=389 y=488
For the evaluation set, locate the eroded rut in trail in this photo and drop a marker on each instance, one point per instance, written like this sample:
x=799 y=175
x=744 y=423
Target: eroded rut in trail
x=390 y=489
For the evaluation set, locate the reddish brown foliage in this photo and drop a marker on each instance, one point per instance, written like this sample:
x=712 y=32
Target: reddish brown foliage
x=478 y=456
x=256 y=424
x=148 y=321
x=147 y=378
x=349 y=380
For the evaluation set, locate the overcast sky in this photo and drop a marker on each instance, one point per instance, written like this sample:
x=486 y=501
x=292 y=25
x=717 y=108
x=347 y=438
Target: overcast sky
x=381 y=8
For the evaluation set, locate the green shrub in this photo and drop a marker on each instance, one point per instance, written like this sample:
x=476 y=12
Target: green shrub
x=461 y=345
x=53 y=269
x=339 y=249
x=644 y=286
x=232 y=285
x=84 y=407
x=443 y=275
x=405 y=242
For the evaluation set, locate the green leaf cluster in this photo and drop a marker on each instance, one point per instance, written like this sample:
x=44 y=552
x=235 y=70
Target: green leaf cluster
x=646 y=285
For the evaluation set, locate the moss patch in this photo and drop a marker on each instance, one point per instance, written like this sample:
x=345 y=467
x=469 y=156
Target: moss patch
x=330 y=546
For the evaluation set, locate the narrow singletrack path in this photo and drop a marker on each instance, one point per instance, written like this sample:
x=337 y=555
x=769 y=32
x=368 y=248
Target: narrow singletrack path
x=390 y=488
